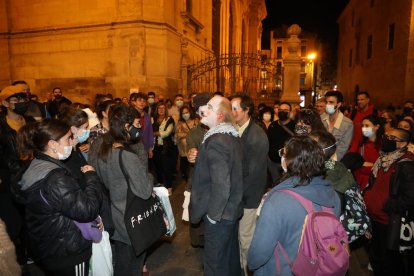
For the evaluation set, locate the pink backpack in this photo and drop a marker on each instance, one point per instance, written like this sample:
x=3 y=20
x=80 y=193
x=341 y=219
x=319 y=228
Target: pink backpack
x=323 y=247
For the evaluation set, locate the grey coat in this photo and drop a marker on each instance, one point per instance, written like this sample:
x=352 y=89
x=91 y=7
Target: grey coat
x=217 y=184
x=141 y=182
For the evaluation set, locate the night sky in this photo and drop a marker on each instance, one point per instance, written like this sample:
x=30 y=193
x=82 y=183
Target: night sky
x=318 y=16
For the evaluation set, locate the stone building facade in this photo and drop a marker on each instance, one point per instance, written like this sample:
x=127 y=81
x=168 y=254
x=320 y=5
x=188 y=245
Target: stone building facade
x=376 y=50
x=118 y=46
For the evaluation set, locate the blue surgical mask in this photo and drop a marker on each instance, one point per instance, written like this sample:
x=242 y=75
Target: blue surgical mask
x=83 y=136
x=330 y=109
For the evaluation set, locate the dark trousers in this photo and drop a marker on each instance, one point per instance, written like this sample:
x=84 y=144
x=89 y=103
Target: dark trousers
x=385 y=261
x=81 y=269
x=164 y=166
x=126 y=263
x=184 y=167
x=221 y=248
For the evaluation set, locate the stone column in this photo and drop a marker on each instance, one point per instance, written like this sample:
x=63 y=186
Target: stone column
x=291 y=63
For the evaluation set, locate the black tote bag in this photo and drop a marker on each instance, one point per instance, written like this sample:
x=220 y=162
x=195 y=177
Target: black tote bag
x=144 y=218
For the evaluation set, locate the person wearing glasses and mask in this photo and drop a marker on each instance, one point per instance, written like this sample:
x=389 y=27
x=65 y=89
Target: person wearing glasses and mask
x=389 y=195
x=13 y=104
x=277 y=133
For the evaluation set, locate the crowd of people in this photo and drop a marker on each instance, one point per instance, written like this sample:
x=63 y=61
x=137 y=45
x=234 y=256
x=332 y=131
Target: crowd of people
x=60 y=165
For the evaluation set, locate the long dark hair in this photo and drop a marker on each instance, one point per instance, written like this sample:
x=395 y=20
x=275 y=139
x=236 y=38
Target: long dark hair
x=119 y=115
x=305 y=159
x=34 y=137
x=375 y=120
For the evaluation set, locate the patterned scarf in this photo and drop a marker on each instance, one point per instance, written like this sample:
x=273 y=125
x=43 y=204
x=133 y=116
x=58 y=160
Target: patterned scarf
x=385 y=160
x=225 y=128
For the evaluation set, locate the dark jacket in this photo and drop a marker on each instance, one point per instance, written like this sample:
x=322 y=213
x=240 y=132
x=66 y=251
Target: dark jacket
x=217 y=183
x=55 y=240
x=255 y=149
x=277 y=137
x=53 y=107
x=281 y=220
x=401 y=197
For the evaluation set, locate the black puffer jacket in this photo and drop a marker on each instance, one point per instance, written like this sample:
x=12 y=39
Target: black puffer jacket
x=55 y=239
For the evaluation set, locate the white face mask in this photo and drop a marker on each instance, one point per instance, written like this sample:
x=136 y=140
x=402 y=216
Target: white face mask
x=67 y=150
x=151 y=100
x=186 y=116
x=283 y=163
x=367 y=131
x=267 y=117
x=179 y=103
x=330 y=109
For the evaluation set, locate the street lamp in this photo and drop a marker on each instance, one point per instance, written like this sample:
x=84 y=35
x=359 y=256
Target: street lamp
x=312 y=57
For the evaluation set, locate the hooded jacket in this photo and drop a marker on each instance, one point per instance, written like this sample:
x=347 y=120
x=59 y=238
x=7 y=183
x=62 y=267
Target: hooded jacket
x=281 y=220
x=53 y=199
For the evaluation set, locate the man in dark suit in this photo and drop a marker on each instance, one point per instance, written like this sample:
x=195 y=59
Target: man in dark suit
x=255 y=148
x=217 y=189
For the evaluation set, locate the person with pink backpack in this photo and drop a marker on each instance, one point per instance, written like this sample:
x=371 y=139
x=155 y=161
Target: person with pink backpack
x=298 y=231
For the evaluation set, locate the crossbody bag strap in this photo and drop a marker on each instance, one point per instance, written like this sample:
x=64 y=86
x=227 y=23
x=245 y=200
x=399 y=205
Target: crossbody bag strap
x=287 y=130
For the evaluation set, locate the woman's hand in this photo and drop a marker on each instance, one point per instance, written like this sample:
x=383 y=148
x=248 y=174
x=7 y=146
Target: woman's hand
x=87 y=168
x=84 y=147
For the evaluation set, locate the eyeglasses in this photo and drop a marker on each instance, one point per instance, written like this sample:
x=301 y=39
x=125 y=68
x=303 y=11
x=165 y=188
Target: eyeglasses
x=391 y=137
x=18 y=99
x=281 y=152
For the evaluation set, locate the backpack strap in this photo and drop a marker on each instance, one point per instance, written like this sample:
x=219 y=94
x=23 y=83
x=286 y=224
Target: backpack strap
x=306 y=203
x=284 y=253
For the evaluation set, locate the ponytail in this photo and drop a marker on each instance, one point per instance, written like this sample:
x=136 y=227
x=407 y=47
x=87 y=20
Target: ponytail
x=34 y=137
x=119 y=115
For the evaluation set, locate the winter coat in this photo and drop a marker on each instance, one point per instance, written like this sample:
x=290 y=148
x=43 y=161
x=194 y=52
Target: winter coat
x=54 y=199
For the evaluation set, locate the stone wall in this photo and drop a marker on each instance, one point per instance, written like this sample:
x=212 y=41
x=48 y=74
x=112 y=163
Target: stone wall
x=386 y=75
x=107 y=46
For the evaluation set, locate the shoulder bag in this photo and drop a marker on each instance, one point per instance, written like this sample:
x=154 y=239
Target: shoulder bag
x=144 y=218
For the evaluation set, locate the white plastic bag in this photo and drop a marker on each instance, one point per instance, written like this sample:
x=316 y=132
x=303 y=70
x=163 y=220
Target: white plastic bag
x=186 y=203
x=101 y=260
x=162 y=194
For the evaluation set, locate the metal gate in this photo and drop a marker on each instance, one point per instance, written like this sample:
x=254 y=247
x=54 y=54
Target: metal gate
x=252 y=74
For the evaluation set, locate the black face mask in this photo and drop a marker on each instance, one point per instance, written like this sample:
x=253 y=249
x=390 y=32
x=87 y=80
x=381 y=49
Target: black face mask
x=388 y=145
x=21 y=108
x=407 y=110
x=134 y=133
x=283 y=115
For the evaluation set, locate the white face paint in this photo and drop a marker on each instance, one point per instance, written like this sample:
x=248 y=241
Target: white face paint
x=209 y=112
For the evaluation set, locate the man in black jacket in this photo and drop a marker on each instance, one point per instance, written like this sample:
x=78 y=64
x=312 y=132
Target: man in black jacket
x=255 y=148
x=278 y=132
x=217 y=189
x=55 y=105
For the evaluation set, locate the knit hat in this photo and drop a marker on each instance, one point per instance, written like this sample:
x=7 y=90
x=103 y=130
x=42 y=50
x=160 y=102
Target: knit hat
x=201 y=99
x=9 y=91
